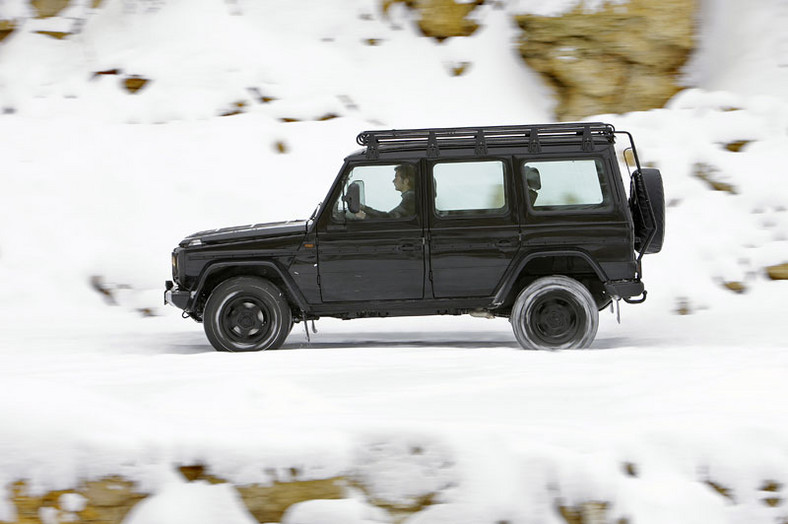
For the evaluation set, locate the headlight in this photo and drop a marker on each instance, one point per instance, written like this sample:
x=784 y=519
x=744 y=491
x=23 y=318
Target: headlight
x=175 y=266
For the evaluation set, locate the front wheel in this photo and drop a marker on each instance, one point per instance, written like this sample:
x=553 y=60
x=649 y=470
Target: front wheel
x=555 y=312
x=247 y=314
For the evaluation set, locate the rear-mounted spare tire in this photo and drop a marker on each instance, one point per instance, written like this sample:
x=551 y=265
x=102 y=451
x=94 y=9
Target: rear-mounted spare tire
x=647 y=204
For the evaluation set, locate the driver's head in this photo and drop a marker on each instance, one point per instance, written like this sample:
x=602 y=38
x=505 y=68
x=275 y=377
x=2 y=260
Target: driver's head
x=404 y=177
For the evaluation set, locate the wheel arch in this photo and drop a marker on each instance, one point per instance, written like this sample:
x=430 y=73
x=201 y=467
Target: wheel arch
x=570 y=263
x=219 y=272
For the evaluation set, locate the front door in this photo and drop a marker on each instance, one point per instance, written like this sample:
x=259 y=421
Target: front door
x=376 y=253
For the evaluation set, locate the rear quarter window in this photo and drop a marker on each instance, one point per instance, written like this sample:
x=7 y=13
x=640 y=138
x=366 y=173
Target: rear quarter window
x=566 y=185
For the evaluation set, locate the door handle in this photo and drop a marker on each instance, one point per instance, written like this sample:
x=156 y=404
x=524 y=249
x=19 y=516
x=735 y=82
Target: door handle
x=504 y=244
x=407 y=246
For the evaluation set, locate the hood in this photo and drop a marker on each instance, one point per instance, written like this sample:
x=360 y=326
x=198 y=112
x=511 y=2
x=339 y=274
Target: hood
x=249 y=232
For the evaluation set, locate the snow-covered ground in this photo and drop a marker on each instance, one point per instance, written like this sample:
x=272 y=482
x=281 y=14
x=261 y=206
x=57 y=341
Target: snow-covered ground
x=97 y=182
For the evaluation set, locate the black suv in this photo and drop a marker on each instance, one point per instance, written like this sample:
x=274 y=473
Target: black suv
x=531 y=222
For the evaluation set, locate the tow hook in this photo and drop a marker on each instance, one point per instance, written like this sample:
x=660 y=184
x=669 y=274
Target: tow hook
x=636 y=300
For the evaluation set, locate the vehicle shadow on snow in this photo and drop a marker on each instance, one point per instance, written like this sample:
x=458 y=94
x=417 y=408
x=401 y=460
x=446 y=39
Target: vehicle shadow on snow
x=197 y=344
x=435 y=340
x=438 y=339
x=465 y=340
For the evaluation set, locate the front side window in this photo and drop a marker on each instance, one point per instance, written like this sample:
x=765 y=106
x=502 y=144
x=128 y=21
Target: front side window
x=463 y=188
x=384 y=192
x=565 y=184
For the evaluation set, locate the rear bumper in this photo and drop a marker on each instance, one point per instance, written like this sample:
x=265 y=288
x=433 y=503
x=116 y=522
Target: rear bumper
x=625 y=289
x=176 y=297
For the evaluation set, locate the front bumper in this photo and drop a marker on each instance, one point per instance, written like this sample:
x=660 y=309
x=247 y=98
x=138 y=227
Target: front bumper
x=174 y=296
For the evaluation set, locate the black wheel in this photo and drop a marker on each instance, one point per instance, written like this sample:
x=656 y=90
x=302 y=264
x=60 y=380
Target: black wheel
x=555 y=312
x=247 y=314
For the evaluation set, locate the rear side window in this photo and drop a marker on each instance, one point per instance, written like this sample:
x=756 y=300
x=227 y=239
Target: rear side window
x=463 y=188
x=565 y=184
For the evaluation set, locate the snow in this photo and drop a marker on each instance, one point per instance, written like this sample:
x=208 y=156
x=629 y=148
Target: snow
x=198 y=502
x=346 y=511
x=99 y=182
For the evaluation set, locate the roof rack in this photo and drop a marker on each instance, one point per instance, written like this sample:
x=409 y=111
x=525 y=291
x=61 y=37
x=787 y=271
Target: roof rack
x=480 y=137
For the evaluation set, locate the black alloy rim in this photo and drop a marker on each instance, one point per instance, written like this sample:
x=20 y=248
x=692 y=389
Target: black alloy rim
x=245 y=320
x=556 y=318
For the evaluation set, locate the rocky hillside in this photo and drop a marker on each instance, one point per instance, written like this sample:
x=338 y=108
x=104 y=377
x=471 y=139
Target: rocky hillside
x=624 y=55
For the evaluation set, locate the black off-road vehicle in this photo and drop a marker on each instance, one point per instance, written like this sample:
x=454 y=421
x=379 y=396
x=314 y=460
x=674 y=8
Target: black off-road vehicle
x=531 y=222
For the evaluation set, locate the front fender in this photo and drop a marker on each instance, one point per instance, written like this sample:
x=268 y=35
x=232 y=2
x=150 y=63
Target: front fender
x=220 y=271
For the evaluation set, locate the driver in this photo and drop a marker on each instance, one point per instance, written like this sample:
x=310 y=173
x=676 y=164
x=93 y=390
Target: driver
x=404 y=182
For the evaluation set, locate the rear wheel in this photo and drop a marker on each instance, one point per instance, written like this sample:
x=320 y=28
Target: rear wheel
x=555 y=312
x=247 y=314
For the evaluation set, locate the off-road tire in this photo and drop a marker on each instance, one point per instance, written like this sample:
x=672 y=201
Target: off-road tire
x=555 y=312
x=247 y=314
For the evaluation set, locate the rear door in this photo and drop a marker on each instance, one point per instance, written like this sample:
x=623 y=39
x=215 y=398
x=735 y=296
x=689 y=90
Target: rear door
x=571 y=201
x=473 y=226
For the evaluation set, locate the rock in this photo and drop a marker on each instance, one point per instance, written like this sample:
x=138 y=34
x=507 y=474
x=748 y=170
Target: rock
x=109 y=500
x=778 y=272
x=737 y=145
x=58 y=35
x=49 y=8
x=98 y=285
x=199 y=472
x=236 y=108
x=106 y=72
x=771 y=489
x=269 y=503
x=586 y=513
x=722 y=490
x=106 y=501
x=460 y=68
x=441 y=19
x=6 y=28
x=624 y=57
x=709 y=174
x=683 y=306
x=134 y=83
x=736 y=287
x=192 y=472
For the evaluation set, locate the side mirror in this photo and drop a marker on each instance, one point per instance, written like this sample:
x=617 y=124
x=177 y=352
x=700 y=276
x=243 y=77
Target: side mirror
x=353 y=197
